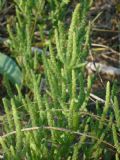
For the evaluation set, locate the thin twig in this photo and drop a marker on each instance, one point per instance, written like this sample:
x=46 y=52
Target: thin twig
x=97 y=98
x=106 y=47
x=59 y=129
x=105 y=30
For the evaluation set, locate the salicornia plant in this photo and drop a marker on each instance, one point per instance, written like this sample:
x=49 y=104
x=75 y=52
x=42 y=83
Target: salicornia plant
x=53 y=118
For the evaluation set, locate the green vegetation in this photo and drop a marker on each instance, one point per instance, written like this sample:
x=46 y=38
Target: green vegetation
x=48 y=115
